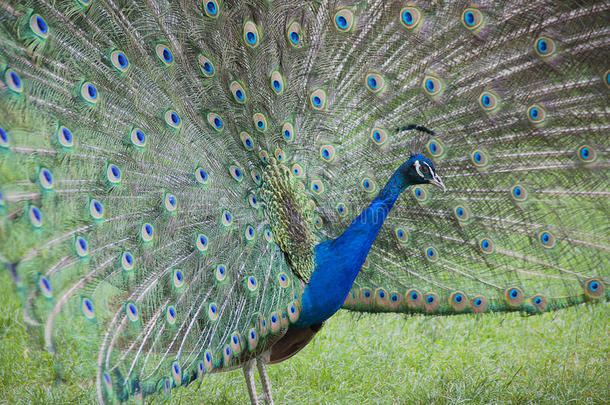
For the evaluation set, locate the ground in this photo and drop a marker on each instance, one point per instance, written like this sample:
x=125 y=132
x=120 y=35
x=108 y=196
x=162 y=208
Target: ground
x=556 y=358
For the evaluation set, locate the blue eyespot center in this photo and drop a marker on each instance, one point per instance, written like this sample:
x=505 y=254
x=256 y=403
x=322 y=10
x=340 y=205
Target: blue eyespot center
x=218 y=122
x=486 y=100
x=534 y=113
x=175 y=119
x=372 y=83
x=430 y=85
x=542 y=46
x=3 y=135
x=66 y=135
x=208 y=357
x=460 y=212
x=239 y=94
x=341 y=21
x=294 y=37
x=430 y=252
x=122 y=60
x=514 y=293
x=517 y=191
x=433 y=147
x=91 y=91
x=148 y=229
x=394 y=297
x=16 y=80
x=47 y=176
x=594 y=285
x=36 y=212
x=167 y=55
x=367 y=293
x=172 y=312
x=207 y=67
x=211 y=6
x=276 y=85
x=273 y=319
x=414 y=296
x=203 y=174
x=584 y=153
x=251 y=37
x=252 y=335
x=317 y=101
x=89 y=305
x=537 y=300
x=469 y=18
x=133 y=309
x=485 y=244
x=407 y=17
x=430 y=299
x=252 y=281
x=42 y=25
x=545 y=237
x=213 y=308
x=477 y=157
x=458 y=298
x=478 y=302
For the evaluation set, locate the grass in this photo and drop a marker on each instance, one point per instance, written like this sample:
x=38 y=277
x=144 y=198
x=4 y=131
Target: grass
x=555 y=358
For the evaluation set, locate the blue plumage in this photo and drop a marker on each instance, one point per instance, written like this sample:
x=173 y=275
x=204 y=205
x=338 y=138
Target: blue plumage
x=338 y=261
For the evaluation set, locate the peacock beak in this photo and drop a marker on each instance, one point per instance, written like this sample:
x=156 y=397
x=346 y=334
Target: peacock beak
x=436 y=180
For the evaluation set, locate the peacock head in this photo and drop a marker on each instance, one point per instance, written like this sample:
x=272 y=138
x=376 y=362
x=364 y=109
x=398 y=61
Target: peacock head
x=420 y=170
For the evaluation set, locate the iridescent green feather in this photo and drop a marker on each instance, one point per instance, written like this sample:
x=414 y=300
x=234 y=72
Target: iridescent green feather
x=115 y=231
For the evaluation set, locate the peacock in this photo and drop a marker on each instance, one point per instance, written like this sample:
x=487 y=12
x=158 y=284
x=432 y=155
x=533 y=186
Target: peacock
x=190 y=187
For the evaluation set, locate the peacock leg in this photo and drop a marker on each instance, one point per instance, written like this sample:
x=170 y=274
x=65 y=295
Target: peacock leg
x=249 y=374
x=262 y=372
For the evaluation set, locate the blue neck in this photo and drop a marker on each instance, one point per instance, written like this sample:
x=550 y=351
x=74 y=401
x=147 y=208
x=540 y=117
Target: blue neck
x=338 y=261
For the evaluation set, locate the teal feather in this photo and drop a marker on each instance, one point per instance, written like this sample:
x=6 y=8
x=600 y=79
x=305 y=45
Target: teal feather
x=174 y=176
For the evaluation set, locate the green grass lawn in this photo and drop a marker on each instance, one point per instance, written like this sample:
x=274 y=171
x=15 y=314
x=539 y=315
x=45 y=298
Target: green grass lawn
x=555 y=358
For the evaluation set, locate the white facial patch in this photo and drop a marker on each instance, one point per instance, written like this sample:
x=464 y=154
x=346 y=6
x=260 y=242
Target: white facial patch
x=418 y=168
